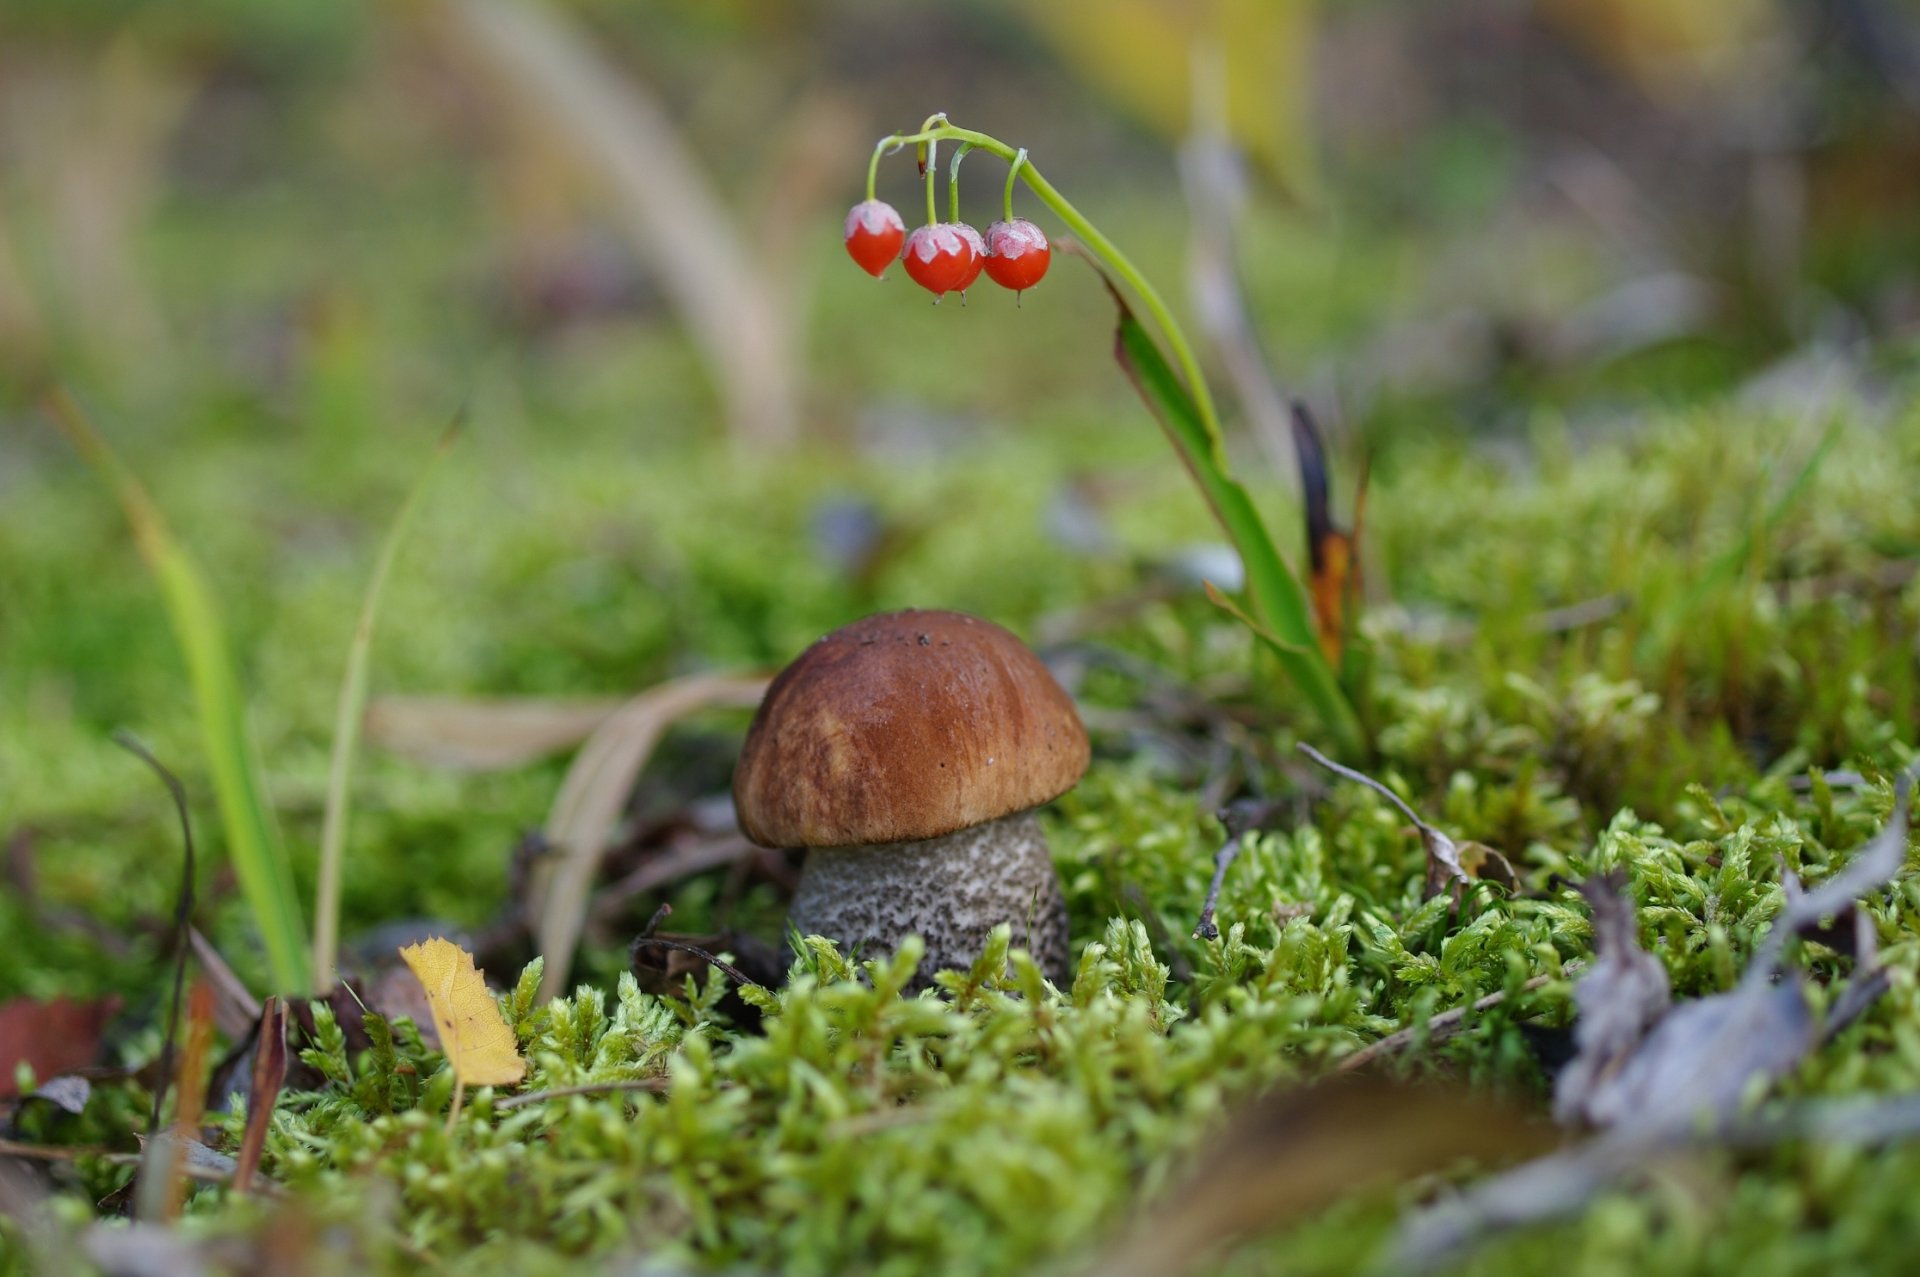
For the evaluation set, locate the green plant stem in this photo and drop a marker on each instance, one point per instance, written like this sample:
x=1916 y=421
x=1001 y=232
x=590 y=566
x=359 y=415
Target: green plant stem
x=239 y=783
x=933 y=171
x=953 y=182
x=1013 y=172
x=346 y=730
x=1277 y=599
x=1103 y=247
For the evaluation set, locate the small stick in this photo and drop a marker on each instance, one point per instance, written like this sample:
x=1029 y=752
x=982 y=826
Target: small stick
x=182 y=913
x=1440 y=1027
x=1240 y=819
x=739 y=976
x=1377 y=787
x=1222 y=859
x=1443 y=854
x=654 y=1084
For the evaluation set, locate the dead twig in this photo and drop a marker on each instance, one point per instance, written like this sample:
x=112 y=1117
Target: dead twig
x=1443 y=854
x=1240 y=819
x=681 y=862
x=1439 y=1028
x=182 y=912
x=661 y=942
x=654 y=1085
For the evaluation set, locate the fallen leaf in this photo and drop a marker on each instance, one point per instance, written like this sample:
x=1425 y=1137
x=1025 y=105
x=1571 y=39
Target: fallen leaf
x=52 y=1037
x=479 y=1046
x=1661 y=1078
x=69 y=1093
x=1297 y=1151
x=1622 y=996
x=269 y=1075
x=483 y=734
x=1333 y=554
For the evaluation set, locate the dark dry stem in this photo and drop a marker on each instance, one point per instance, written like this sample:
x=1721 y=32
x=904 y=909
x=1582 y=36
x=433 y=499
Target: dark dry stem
x=660 y=915
x=1222 y=859
x=1370 y=783
x=182 y=914
x=269 y=1075
x=739 y=976
x=1439 y=1028
x=1240 y=819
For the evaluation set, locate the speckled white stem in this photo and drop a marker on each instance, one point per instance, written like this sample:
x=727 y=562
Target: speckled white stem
x=951 y=890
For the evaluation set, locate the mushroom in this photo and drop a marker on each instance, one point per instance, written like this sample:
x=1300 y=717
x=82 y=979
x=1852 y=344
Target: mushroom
x=906 y=752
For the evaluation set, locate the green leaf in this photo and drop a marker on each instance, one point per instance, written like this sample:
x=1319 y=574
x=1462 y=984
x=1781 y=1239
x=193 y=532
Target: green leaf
x=346 y=725
x=1280 y=611
x=253 y=837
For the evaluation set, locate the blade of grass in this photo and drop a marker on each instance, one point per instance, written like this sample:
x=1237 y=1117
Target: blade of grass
x=346 y=724
x=253 y=837
x=1278 y=601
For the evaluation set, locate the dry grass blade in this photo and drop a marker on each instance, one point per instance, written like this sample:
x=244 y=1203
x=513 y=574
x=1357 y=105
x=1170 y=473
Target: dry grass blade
x=470 y=734
x=591 y=798
x=624 y=137
x=1296 y=1151
x=269 y=1075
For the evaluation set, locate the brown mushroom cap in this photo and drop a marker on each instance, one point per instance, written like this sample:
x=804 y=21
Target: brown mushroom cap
x=905 y=726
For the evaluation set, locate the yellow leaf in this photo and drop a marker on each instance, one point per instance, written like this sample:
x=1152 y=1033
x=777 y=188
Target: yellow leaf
x=479 y=1045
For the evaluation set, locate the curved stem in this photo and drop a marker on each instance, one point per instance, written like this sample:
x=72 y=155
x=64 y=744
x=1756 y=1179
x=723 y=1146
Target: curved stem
x=932 y=167
x=1278 y=599
x=886 y=146
x=953 y=181
x=1106 y=250
x=1013 y=171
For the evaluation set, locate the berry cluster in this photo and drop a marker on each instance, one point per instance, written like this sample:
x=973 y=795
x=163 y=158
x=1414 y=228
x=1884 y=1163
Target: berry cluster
x=947 y=257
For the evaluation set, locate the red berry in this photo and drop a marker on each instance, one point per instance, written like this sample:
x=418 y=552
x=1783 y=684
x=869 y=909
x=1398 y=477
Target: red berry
x=979 y=247
x=874 y=235
x=1017 y=254
x=941 y=257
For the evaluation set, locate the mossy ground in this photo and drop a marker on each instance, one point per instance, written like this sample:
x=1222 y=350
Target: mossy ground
x=592 y=535
x=1001 y=1126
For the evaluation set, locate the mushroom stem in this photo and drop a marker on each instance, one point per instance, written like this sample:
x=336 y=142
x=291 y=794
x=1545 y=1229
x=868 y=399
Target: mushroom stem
x=951 y=891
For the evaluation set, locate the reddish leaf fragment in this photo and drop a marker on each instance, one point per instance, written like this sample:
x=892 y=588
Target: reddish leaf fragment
x=51 y=1037
x=269 y=1075
x=1333 y=555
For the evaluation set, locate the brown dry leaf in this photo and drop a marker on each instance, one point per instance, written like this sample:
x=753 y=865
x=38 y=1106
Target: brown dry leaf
x=1620 y=998
x=483 y=734
x=1332 y=553
x=53 y=1037
x=1295 y=1152
x=588 y=807
x=479 y=1045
